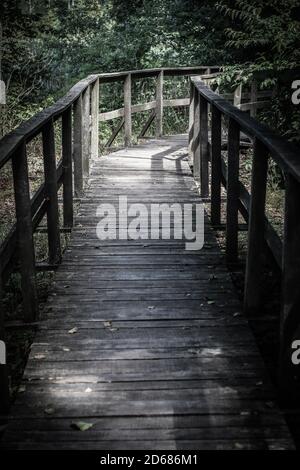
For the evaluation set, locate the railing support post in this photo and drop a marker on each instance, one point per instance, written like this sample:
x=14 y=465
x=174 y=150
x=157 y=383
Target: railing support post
x=191 y=120
x=204 y=150
x=67 y=167
x=86 y=135
x=232 y=191
x=25 y=234
x=290 y=322
x=4 y=384
x=127 y=110
x=51 y=193
x=196 y=137
x=95 y=119
x=77 y=155
x=159 y=104
x=216 y=165
x=255 y=250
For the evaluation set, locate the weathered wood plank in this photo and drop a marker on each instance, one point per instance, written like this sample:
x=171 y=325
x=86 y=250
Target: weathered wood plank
x=51 y=188
x=159 y=104
x=232 y=205
x=67 y=151
x=25 y=234
x=255 y=251
x=127 y=110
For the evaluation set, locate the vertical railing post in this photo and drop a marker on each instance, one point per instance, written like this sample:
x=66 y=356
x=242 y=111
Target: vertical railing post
x=255 y=250
x=232 y=191
x=159 y=104
x=191 y=120
x=67 y=167
x=216 y=165
x=95 y=119
x=25 y=234
x=127 y=110
x=196 y=134
x=290 y=322
x=204 y=149
x=4 y=383
x=86 y=135
x=77 y=151
x=51 y=193
x=237 y=97
x=253 y=99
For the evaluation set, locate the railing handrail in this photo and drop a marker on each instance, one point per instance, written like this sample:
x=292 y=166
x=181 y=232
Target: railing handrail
x=284 y=152
x=30 y=128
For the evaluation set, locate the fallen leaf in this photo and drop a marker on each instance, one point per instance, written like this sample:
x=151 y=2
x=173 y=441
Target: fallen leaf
x=81 y=425
x=39 y=356
x=22 y=389
x=73 y=331
x=49 y=411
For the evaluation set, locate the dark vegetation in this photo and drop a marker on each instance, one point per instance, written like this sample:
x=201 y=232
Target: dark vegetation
x=48 y=45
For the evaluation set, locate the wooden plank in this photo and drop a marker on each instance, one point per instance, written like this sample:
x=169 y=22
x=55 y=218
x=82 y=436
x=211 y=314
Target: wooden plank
x=67 y=151
x=191 y=121
x=25 y=234
x=196 y=137
x=216 y=166
x=176 y=103
x=78 y=149
x=127 y=110
x=51 y=193
x=232 y=191
x=147 y=125
x=136 y=108
x=86 y=134
x=159 y=104
x=95 y=120
x=204 y=151
x=115 y=133
x=4 y=382
x=255 y=252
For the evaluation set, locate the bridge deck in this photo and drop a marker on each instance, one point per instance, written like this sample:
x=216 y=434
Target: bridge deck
x=143 y=339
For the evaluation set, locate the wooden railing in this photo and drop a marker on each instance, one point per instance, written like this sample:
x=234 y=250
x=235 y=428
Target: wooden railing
x=212 y=172
x=78 y=114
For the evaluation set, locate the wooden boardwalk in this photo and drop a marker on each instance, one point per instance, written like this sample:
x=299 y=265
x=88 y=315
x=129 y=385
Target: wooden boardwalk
x=143 y=339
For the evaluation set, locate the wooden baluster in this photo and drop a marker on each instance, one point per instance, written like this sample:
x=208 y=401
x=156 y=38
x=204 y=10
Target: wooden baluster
x=204 y=149
x=196 y=137
x=51 y=193
x=127 y=110
x=95 y=119
x=216 y=167
x=232 y=191
x=237 y=97
x=253 y=109
x=67 y=167
x=159 y=104
x=77 y=152
x=256 y=229
x=86 y=135
x=26 y=252
x=290 y=322
x=191 y=120
x=4 y=383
